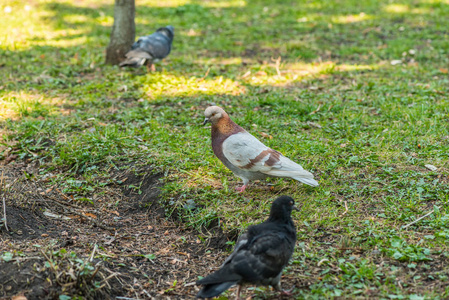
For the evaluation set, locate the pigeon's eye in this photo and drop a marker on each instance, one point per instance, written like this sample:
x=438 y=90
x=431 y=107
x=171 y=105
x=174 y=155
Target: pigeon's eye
x=291 y=203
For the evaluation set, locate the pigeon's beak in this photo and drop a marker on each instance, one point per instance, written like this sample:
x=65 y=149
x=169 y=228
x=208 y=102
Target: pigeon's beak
x=295 y=208
x=205 y=121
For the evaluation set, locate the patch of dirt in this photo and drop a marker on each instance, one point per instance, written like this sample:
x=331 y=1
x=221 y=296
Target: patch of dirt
x=131 y=248
x=28 y=224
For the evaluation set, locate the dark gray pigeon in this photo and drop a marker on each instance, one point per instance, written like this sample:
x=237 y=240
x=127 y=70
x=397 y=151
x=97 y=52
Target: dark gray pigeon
x=260 y=254
x=150 y=48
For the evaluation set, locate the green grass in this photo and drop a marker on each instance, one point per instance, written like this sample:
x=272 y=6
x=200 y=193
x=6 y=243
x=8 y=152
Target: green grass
x=378 y=123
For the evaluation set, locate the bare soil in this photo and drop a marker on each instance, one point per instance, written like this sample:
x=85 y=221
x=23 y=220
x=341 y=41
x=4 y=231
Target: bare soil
x=112 y=234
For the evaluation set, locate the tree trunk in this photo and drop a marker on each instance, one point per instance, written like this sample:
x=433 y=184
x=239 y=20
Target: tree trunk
x=123 y=31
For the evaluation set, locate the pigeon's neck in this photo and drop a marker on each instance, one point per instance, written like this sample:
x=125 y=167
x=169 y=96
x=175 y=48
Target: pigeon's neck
x=225 y=126
x=280 y=219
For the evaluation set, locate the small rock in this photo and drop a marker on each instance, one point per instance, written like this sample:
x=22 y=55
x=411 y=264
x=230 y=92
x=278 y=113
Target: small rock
x=313 y=124
x=431 y=167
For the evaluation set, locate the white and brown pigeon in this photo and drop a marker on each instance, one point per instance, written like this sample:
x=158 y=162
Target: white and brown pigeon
x=246 y=156
x=260 y=254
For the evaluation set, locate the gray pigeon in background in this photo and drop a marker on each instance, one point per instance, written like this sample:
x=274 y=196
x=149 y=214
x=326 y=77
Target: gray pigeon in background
x=150 y=48
x=246 y=156
x=260 y=254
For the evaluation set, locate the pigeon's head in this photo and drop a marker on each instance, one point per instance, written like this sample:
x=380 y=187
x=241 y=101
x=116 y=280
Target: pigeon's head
x=168 y=31
x=213 y=114
x=282 y=207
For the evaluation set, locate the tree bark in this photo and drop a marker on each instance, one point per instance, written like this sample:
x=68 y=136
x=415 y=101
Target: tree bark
x=123 y=31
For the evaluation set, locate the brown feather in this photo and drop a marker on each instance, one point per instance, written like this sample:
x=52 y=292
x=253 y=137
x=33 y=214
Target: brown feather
x=273 y=159
x=223 y=129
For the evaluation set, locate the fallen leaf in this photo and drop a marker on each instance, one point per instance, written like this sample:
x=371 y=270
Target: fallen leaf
x=56 y=216
x=265 y=135
x=246 y=74
x=444 y=70
x=90 y=215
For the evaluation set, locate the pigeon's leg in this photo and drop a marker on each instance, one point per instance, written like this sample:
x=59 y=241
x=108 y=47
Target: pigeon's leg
x=244 y=186
x=241 y=189
x=239 y=288
x=287 y=293
x=149 y=66
x=282 y=292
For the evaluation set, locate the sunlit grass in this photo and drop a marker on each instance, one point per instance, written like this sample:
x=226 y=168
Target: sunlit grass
x=156 y=87
x=14 y=105
x=289 y=73
x=351 y=18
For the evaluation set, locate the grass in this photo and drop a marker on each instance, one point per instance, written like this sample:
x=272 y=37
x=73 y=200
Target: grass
x=358 y=97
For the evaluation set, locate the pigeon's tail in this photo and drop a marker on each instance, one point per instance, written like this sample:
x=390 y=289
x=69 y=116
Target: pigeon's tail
x=135 y=58
x=133 y=62
x=308 y=181
x=213 y=290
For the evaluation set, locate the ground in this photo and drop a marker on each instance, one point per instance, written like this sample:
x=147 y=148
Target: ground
x=132 y=250
x=111 y=187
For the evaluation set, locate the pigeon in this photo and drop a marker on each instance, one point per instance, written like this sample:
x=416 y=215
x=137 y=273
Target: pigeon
x=260 y=254
x=246 y=156
x=150 y=48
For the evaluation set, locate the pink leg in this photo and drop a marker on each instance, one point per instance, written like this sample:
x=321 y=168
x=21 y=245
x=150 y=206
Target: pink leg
x=287 y=293
x=241 y=189
x=238 y=292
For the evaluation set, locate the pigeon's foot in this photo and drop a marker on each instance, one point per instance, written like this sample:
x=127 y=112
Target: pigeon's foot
x=287 y=293
x=241 y=189
x=239 y=289
x=150 y=67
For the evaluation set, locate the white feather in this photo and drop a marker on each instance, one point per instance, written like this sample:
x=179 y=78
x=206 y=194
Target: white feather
x=242 y=148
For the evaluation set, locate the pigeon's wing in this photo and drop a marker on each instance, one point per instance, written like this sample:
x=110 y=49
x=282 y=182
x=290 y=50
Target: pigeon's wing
x=246 y=152
x=285 y=167
x=156 y=44
x=242 y=240
x=259 y=256
x=263 y=258
x=259 y=260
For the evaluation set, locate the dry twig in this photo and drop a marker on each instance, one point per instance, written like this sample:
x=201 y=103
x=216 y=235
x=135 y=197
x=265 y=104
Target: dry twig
x=417 y=220
x=4 y=203
x=278 y=64
x=346 y=208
